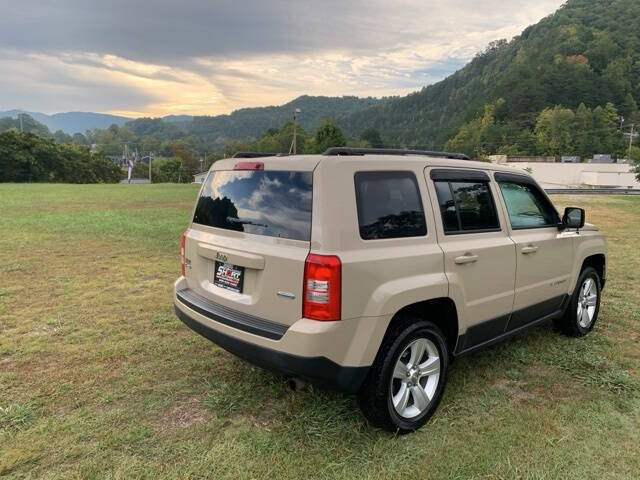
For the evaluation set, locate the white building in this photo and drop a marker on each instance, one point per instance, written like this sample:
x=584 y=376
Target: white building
x=576 y=175
x=199 y=177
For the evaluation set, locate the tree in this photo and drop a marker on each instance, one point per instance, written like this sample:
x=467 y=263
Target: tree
x=61 y=137
x=79 y=139
x=328 y=135
x=372 y=136
x=188 y=158
x=635 y=157
x=26 y=157
x=481 y=136
x=553 y=131
x=24 y=123
x=583 y=132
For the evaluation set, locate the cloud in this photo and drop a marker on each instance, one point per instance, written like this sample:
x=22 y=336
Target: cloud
x=48 y=83
x=161 y=56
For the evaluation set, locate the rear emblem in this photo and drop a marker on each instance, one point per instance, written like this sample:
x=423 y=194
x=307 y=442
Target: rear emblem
x=284 y=294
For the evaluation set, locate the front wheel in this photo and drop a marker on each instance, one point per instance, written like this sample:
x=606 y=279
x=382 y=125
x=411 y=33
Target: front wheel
x=582 y=312
x=406 y=381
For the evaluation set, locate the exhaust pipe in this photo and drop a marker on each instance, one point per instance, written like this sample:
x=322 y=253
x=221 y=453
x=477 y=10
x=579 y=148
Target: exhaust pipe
x=296 y=384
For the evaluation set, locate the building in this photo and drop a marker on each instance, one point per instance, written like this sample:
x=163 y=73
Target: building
x=581 y=175
x=601 y=159
x=199 y=177
x=521 y=158
x=570 y=159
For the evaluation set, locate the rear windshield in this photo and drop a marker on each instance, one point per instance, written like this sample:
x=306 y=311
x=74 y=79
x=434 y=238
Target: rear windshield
x=275 y=204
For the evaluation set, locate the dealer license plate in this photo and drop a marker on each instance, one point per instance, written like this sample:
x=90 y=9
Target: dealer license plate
x=228 y=276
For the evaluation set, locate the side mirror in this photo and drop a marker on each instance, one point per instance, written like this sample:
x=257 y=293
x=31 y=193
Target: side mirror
x=573 y=217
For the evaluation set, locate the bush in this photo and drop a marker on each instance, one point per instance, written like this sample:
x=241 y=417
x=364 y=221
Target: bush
x=26 y=157
x=165 y=170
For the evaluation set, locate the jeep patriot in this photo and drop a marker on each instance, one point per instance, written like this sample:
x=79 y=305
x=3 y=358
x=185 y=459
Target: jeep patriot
x=370 y=270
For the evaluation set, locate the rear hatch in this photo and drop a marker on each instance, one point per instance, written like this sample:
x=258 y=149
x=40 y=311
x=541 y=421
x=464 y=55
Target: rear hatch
x=249 y=239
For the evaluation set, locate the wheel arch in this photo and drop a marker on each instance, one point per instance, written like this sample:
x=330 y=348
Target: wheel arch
x=599 y=263
x=440 y=311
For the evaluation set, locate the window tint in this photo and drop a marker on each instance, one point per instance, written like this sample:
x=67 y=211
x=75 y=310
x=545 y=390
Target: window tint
x=466 y=206
x=271 y=203
x=447 y=207
x=527 y=206
x=389 y=205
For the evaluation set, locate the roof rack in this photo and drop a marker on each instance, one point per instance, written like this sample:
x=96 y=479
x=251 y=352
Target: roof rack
x=258 y=155
x=335 y=151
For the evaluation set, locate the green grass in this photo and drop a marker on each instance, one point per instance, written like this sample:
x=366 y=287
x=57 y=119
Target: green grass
x=98 y=379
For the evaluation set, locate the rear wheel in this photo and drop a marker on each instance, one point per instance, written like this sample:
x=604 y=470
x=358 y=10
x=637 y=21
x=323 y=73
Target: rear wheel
x=406 y=381
x=584 y=306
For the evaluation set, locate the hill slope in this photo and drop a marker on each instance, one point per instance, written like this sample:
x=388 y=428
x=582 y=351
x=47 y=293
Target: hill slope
x=251 y=122
x=71 y=122
x=246 y=122
x=587 y=52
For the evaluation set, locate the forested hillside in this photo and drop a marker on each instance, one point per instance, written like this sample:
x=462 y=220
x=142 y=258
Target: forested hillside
x=252 y=122
x=588 y=52
x=70 y=122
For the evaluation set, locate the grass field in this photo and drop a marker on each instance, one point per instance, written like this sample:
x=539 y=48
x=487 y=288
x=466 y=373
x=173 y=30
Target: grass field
x=98 y=379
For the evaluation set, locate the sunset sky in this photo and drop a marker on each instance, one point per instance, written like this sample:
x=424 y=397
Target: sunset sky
x=154 y=58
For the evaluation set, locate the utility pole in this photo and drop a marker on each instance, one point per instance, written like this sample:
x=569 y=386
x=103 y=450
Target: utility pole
x=294 y=131
x=633 y=132
x=294 y=144
x=20 y=117
x=150 y=158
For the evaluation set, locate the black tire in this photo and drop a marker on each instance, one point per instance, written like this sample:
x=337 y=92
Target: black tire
x=569 y=323
x=374 y=396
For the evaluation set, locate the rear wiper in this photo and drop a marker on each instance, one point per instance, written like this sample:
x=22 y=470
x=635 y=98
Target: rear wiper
x=246 y=222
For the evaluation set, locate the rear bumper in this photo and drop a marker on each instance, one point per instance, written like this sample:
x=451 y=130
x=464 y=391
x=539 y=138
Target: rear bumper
x=316 y=369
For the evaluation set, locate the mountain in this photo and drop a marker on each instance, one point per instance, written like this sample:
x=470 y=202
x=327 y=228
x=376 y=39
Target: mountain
x=587 y=52
x=71 y=122
x=246 y=122
x=177 y=118
x=251 y=122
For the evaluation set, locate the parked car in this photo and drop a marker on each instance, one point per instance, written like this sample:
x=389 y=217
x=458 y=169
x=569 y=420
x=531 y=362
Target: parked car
x=371 y=270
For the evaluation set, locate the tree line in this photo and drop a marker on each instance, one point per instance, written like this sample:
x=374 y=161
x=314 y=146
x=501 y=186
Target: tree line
x=29 y=157
x=556 y=131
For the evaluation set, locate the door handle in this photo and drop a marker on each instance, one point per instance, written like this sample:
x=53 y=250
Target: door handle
x=529 y=249
x=466 y=258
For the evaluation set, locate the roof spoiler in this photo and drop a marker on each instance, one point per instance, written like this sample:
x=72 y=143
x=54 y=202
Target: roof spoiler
x=258 y=155
x=349 y=151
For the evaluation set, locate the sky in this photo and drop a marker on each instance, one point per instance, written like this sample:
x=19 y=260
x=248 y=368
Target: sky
x=208 y=57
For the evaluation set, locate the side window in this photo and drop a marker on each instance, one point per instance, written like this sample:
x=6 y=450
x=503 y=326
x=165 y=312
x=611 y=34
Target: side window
x=389 y=205
x=527 y=206
x=466 y=206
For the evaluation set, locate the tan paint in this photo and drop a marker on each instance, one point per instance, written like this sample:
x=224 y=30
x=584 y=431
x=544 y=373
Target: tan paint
x=380 y=277
x=484 y=289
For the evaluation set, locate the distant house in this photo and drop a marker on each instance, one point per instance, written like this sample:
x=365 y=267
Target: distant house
x=601 y=159
x=521 y=158
x=199 y=177
x=569 y=159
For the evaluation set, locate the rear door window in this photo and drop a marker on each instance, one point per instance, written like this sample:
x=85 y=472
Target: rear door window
x=466 y=206
x=270 y=203
x=389 y=205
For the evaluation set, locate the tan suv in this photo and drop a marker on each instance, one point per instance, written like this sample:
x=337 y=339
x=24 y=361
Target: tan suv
x=371 y=270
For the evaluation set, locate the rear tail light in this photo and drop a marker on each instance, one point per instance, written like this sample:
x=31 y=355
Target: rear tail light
x=321 y=297
x=182 y=259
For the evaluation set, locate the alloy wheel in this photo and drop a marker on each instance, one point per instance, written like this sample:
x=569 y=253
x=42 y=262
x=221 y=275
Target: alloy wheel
x=587 y=302
x=415 y=378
